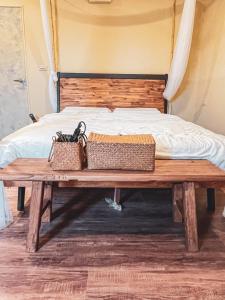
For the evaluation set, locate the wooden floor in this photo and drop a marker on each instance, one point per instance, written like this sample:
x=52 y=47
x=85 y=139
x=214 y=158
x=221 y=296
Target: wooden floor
x=90 y=251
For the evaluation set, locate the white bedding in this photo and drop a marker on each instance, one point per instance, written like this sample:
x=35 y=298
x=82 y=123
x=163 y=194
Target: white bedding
x=175 y=138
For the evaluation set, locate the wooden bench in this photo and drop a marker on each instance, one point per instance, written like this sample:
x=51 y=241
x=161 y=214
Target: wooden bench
x=183 y=175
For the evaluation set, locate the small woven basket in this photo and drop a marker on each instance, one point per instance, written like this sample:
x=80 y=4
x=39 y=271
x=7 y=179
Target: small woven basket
x=128 y=152
x=67 y=156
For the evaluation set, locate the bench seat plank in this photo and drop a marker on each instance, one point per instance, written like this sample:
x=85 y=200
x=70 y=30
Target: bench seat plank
x=165 y=171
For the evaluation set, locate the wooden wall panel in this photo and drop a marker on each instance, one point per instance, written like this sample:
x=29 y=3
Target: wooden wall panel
x=112 y=93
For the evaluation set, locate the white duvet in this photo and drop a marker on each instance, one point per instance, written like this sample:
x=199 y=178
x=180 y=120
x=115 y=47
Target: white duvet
x=175 y=138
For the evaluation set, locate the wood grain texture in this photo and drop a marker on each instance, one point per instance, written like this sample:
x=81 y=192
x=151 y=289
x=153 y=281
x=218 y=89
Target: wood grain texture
x=112 y=93
x=116 y=256
x=190 y=217
x=17 y=183
x=204 y=184
x=165 y=171
x=114 y=184
x=47 y=202
x=35 y=216
x=177 y=203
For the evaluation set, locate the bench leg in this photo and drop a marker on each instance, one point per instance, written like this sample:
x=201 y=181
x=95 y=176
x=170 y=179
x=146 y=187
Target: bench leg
x=211 y=200
x=47 y=202
x=177 y=203
x=35 y=215
x=21 y=198
x=190 y=217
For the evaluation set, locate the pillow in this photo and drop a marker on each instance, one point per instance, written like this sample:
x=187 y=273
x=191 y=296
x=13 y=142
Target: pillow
x=84 y=109
x=138 y=110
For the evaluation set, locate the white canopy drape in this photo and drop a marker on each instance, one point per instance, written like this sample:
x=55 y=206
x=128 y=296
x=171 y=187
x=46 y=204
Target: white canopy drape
x=5 y=213
x=182 y=50
x=50 y=50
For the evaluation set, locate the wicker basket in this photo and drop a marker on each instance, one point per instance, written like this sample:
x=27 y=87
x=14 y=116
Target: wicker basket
x=128 y=152
x=67 y=156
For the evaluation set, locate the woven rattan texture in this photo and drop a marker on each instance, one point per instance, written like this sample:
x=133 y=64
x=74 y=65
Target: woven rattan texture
x=67 y=156
x=121 y=152
x=122 y=139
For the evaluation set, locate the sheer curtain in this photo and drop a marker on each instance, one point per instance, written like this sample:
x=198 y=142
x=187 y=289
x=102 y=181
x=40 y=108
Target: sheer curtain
x=5 y=213
x=182 y=50
x=48 y=35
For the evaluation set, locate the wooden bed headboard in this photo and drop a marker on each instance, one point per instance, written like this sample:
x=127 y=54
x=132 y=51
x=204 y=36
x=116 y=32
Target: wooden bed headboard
x=111 y=90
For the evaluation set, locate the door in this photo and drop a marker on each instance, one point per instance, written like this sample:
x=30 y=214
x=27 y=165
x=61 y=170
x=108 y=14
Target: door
x=13 y=84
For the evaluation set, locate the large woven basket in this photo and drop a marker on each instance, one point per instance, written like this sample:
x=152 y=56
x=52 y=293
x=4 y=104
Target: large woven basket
x=128 y=152
x=67 y=156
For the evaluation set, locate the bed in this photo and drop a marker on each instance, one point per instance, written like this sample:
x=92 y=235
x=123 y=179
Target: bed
x=115 y=104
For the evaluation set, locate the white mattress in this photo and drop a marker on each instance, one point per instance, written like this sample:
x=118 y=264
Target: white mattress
x=175 y=138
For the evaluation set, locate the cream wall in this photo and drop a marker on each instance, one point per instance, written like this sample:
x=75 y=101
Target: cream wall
x=127 y=36
x=201 y=98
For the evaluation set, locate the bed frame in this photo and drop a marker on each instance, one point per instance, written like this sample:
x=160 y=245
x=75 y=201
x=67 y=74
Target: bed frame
x=116 y=90
x=112 y=91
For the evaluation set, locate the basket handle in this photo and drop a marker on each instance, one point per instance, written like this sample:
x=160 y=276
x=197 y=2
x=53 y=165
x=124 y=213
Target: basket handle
x=51 y=152
x=82 y=142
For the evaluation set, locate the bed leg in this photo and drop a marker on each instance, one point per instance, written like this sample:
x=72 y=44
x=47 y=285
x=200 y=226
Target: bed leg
x=211 y=200
x=21 y=198
x=117 y=196
x=115 y=202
